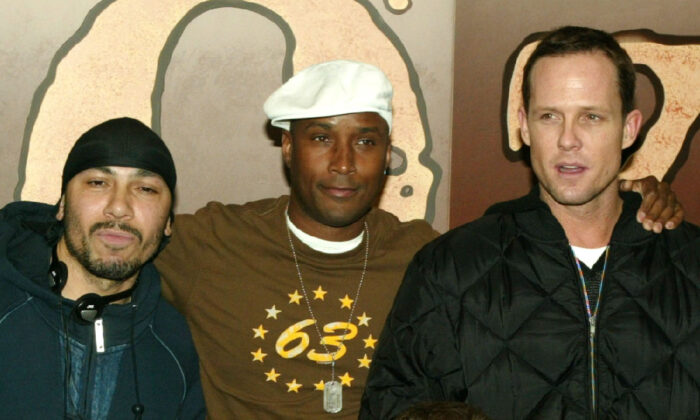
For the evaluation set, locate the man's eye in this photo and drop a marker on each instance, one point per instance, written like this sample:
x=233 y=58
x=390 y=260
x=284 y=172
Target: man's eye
x=547 y=116
x=96 y=182
x=366 y=142
x=321 y=138
x=148 y=190
x=593 y=117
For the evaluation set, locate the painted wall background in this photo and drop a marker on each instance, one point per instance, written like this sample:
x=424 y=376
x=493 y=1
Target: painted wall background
x=69 y=65
x=227 y=60
x=488 y=35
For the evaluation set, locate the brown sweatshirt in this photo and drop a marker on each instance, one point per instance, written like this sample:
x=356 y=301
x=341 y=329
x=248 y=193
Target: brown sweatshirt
x=229 y=269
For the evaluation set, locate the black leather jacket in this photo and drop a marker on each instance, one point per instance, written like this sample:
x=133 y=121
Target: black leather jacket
x=492 y=313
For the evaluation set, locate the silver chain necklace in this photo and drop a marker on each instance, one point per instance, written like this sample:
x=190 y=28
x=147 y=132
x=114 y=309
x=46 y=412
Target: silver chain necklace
x=332 y=390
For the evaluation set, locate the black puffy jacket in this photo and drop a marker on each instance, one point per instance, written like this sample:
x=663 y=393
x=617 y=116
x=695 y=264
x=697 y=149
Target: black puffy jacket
x=492 y=313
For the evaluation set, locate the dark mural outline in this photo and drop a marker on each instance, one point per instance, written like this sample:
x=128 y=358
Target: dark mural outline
x=165 y=56
x=40 y=92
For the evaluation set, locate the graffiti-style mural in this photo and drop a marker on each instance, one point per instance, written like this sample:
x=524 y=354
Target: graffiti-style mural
x=114 y=65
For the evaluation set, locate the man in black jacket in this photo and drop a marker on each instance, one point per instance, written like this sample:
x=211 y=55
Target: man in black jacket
x=84 y=331
x=555 y=305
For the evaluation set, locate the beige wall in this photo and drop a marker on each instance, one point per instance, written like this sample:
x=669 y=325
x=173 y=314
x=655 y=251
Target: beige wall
x=227 y=61
x=60 y=77
x=488 y=33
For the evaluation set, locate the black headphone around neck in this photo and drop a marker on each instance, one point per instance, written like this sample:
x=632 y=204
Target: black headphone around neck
x=58 y=272
x=88 y=307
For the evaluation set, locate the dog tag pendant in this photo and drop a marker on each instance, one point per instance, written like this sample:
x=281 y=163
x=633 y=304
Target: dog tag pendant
x=332 y=397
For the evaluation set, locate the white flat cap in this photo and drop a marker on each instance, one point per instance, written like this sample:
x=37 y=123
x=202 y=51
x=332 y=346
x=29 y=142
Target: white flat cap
x=331 y=88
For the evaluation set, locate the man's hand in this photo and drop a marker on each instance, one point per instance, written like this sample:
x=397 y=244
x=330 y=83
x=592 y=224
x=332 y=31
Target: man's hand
x=659 y=207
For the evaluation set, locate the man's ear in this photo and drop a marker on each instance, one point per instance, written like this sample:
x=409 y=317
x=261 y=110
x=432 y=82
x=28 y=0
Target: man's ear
x=524 y=130
x=61 y=208
x=633 y=122
x=287 y=148
x=387 y=165
x=168 y=227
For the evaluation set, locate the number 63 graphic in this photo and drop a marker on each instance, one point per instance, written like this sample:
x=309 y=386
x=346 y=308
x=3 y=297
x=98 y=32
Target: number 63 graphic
x=347 y=331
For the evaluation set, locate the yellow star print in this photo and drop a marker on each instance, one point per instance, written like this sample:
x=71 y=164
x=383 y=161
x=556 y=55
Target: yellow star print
x=272 y=312
x=258 y=355
x=363 y=320
x=369 y=341
x=346 y=302
x=260 y=332
x=346 y=379
x=365 y=361
x=271 y=375
x=294 y=297
x=293 y=386
x=320 y=385
x=319 y=293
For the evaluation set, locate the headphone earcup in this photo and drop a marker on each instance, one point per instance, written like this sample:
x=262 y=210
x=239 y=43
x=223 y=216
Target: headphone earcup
x=58 y=274
x=89 y=307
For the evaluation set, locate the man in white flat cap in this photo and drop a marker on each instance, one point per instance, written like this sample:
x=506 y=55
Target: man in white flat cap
x=286 y=297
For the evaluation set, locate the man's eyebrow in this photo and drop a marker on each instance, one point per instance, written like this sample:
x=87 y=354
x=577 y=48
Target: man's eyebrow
x=145 y=173
x=104 y=169
x=597 y=108
x=372 y=129
x=549 y=108
x=313 y=124
x=140 y=173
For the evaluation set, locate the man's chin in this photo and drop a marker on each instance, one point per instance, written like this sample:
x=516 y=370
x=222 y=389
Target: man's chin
x=342 y=219
x=565 y=197
x=118 y=272
x=574 y=199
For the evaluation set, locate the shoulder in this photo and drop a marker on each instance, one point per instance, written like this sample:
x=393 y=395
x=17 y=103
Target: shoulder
x=27 y=215
x=486 y=231
x=11 y=296
x=169 y=320
x=27 y=210
x=216 y=215
x=172 y=330
x=503 y=222
x=471 y=249
x=390 y=229
x=215 y=210
x=497 y=227
x=684 y=240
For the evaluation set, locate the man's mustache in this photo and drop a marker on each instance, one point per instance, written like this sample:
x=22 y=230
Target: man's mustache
x=119 y=226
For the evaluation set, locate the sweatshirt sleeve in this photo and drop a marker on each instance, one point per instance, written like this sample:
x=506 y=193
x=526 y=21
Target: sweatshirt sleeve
x=417 y=358
x=189 y=250
x=193 y=405
x=175 y=263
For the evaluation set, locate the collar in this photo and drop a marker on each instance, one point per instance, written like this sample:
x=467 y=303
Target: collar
x=322 y=245
x=535 y=219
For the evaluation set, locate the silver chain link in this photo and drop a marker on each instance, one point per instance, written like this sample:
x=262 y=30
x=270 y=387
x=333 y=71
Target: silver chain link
x=308 y=303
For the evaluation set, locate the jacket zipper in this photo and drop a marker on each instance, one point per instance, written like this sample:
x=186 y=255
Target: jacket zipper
x=591 y=342
x=591 y=338
x=592 y=313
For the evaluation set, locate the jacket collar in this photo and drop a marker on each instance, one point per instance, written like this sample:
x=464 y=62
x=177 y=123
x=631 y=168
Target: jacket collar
x=535 y=219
